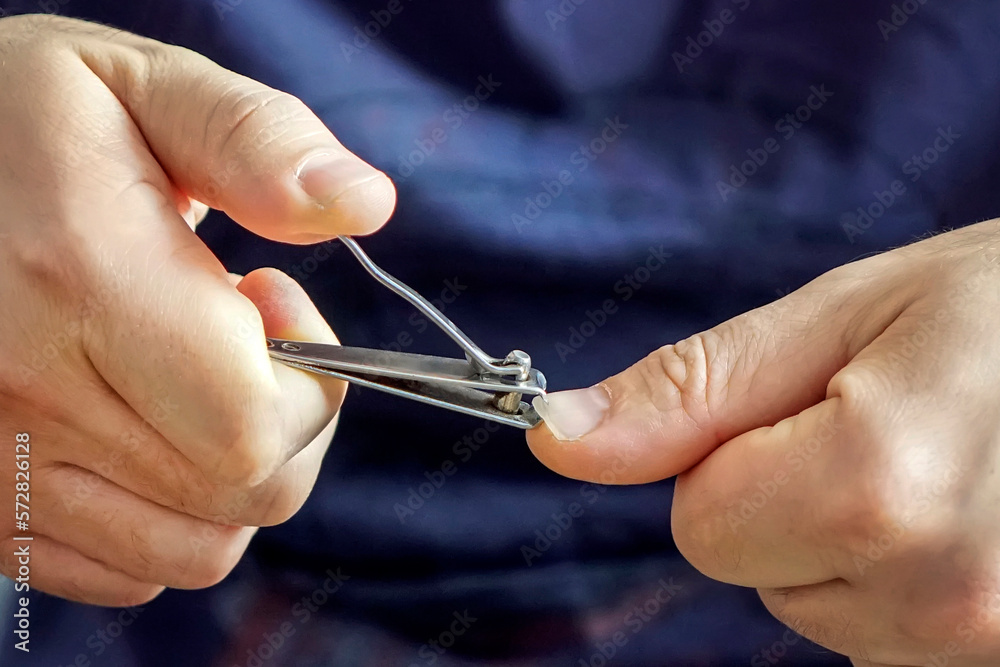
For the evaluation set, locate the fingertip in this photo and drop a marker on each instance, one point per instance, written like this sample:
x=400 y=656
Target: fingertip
x=587 y=459
x=285 y=308
x=625 y=446
x=309 y=400
x=346 y=194
x=363 y=208
x=566 y=458
x=565 y=441
x=360 y=210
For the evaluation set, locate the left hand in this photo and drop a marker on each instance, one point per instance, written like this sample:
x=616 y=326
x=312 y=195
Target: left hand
x=837 y=450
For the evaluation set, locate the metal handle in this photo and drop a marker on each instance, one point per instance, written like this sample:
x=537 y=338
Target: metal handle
x=510 y=366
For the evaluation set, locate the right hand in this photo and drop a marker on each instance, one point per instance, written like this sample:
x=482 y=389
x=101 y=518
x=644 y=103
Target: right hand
x=160 y=431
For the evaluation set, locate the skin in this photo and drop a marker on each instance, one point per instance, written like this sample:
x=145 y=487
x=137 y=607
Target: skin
x=837 y=450
x=856 y=418
x=161 y=433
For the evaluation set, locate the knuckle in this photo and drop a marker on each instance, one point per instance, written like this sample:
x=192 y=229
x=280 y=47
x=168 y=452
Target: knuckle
x=285 y=501
x=249 y=451
x=697 y=374
x=245 y=436
x=865 y=511
x=891 y=507
x=244 y=118
x=861 y=516
x=216 y=550
x=865 y=392
x=677 y=377
x=863 y=507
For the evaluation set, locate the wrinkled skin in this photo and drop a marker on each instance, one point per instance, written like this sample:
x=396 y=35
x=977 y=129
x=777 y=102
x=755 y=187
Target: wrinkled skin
x=160 y=432
x=836 y=450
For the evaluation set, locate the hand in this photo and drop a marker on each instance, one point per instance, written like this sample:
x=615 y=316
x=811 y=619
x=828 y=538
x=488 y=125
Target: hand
x=159 y=429
x=837 y=450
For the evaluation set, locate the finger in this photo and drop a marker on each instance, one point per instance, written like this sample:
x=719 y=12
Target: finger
x=129 y=534
x=286 y=311
x=239 y=146
x=61 y=570
x=849 y=621
x=177 y=333
x=282 y=496
x=820 y=498
x=141 y=460
x=797 y=503
x=156 y=315
x=671 y=409
x=758 y=510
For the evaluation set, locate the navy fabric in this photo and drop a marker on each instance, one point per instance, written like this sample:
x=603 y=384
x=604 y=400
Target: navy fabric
x=520 y=259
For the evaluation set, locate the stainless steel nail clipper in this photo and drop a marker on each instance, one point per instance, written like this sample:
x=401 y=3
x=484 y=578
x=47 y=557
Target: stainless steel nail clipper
x=478 y=385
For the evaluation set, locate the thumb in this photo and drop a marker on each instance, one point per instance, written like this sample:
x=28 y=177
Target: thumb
x=256 y=153
x=670 y=410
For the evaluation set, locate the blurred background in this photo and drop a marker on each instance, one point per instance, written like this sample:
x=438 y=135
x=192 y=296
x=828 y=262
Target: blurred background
x=544 y=152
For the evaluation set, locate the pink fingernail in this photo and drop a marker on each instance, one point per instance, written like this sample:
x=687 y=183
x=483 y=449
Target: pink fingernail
x=573 y=414
x=325 y=177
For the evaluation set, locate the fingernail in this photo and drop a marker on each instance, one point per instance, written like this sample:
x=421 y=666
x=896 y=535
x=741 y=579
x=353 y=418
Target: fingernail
x=571 y=415
x=326 y=177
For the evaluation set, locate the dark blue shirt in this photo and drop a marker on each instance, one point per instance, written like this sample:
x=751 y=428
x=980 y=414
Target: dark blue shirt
x=544 y=152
